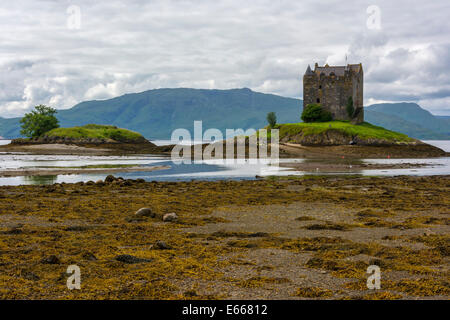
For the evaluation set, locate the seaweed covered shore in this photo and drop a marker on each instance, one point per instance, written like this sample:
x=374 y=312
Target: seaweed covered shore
x=277 y=238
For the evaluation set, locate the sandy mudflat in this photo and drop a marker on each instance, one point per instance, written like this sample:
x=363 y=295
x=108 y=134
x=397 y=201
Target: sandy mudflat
x=342 y=166
x=55 y=148
x=84 y=148
x=285 y=238
x=51 y=172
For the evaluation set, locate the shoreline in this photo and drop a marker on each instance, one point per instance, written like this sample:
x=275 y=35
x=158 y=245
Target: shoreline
x=286 y=150
x=86 y=148
x=347 y=166
x=63 y=171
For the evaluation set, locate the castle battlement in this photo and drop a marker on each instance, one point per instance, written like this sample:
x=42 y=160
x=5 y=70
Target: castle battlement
x=332 y=87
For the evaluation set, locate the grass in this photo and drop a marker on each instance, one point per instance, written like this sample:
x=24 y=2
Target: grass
x=95 y=131
x=364 y=130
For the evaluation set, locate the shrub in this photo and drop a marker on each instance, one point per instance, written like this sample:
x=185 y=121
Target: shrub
x=315 y=113
x=272 y=119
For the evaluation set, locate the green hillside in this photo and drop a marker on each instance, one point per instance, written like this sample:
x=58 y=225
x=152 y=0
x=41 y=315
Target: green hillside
x=156 y=113
x=393 y=122
x=408 y=118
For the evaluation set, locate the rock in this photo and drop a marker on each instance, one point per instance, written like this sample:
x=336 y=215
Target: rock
x=51 y=260
x=29 y=275
x=100 y=183
x=144 y=212
x=161 y=245
x=126 y=183
x=140 y=180
x=126 y=258
x=77 y=228
x=90 y=183
x=169 y=217
x=110 y=179
x=190 y=293
x=89 y=256
x=13 y=230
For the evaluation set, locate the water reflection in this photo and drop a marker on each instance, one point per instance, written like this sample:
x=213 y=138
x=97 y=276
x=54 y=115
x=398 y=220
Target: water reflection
x=33 y=180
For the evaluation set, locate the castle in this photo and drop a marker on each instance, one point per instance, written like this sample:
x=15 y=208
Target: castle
x=338 y=89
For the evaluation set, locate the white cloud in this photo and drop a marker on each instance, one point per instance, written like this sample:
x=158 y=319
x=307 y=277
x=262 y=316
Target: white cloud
x=136 y=45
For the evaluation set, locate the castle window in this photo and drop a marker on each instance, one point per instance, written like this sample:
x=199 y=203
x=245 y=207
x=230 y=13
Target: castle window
x=320 y=87
x=318 y=100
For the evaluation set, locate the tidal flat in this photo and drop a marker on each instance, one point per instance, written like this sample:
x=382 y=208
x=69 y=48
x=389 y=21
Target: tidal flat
x=307 y=237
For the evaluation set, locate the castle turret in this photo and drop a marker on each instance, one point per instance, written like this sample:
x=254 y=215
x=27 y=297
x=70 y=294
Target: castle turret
x=308 y=71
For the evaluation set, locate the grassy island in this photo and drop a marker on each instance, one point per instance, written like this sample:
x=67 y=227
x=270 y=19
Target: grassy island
x=339 y=133
x=97 y=132
x=363 y=131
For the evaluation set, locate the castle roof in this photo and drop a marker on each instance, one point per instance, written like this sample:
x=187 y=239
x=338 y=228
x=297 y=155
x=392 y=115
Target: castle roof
x=337 y=70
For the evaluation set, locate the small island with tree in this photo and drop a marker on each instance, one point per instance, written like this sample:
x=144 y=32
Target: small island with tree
x=44 y=135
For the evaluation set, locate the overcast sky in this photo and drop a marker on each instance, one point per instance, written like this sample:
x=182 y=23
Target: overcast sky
x=51 y=55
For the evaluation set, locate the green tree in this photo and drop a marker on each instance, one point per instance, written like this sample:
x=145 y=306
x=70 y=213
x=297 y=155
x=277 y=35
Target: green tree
x=350 y=107
x=272 y=119
x=315 y=113
x=39 y=121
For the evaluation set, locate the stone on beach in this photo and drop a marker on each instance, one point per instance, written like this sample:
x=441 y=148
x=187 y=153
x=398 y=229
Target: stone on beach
x=169 y=217
x=145 y=212
x=161 y=245
x=110 y=179
x=51 y=260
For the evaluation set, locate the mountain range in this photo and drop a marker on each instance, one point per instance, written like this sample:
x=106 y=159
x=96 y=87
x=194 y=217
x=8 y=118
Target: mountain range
x=156 y=113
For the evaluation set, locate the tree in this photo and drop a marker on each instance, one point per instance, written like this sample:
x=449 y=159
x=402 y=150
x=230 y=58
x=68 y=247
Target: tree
x=315 y=113
x=272 y=119
x=39 y=121
x=350 y=107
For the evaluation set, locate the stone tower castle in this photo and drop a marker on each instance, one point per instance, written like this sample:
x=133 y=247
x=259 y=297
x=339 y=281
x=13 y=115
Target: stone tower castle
x=332 y=87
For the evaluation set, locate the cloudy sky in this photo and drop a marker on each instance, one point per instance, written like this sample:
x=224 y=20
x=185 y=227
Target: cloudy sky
x=60 y=52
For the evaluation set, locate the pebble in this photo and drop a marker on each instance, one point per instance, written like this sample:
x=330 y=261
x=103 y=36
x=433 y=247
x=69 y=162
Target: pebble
x=168 y=217
x=161 y=245
x=110 y=179
x=145 y=212
x=51 y=260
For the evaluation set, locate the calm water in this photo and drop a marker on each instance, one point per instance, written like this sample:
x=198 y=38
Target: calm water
x=204 y=170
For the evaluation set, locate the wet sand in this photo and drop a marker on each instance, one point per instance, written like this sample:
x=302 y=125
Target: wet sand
x=57 y=171
x=86 y=149
x=278 y=238
x=346 y=166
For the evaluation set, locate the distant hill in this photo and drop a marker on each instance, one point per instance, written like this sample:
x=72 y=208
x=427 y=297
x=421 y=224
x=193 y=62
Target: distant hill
x=408 y=118
x=393 y=122
x=156 y=113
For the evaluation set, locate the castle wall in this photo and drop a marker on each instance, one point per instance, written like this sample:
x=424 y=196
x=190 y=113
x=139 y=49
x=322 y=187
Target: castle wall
x=332 y=93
